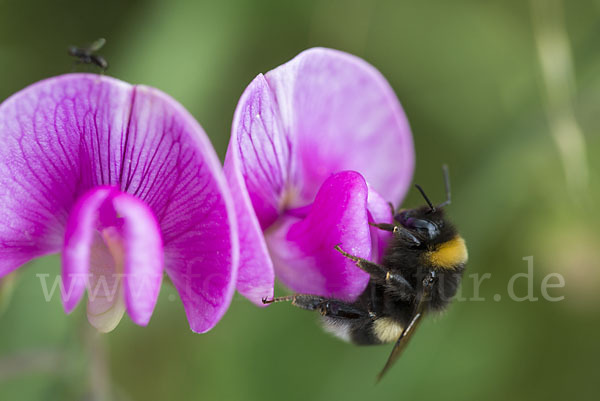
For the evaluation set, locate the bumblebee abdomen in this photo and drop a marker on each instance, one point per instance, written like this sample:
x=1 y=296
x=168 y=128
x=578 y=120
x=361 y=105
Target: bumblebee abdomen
x=341 y=328
x=387 y=330
x=364 y=331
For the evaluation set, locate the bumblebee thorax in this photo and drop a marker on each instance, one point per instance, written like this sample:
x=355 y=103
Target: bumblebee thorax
x=448 y=255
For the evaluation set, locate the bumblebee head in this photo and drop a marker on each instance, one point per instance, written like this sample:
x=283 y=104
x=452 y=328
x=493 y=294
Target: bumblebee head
x=428 y=223
x=429 y=226
x=444 y=247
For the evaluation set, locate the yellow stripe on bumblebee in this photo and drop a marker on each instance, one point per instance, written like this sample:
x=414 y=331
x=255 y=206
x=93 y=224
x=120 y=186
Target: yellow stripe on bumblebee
x=450 y=254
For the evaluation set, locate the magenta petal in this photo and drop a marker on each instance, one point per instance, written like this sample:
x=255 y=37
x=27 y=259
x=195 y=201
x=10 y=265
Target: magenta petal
x=171 y=165
x=143 y=268
x=112 y=237
x=79 y=236
x=323 y=112
x=256 y=276
x=303 y=250
x=256 y=167
x=342 y=114
x=105 y=295
x=259 y=151
x=64 y=136
x=380 y=211
x=46 y=131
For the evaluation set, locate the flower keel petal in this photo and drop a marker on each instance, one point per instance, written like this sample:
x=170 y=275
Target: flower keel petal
x=79 y=238
x=380 y=211
x=113 y=247
x=143 y=263
x=304 y=252
x=106 y=303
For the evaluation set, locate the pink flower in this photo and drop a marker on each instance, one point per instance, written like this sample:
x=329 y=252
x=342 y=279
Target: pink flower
x=318 y=147
x=125 y=183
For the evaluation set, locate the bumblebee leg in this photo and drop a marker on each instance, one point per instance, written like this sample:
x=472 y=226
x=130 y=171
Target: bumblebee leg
x=399 y=232
x=325 y=306
x=308 y=302
x=392 y=208
x=373 y=269
x=406 y=236
x=288 y=298
x=379 y=273
x=339 y=309
x=375 y=304
x=384 y=226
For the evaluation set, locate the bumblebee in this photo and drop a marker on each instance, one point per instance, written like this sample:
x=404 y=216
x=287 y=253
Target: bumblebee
x=421 y=270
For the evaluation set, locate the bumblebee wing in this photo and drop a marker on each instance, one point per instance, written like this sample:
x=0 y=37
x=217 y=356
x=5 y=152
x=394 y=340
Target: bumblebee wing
x=401 y=343
x=97 y=45
x=406 y=334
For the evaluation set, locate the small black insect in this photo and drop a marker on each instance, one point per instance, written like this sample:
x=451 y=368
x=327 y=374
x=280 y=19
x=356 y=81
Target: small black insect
x=421 y=270
x=85 y=55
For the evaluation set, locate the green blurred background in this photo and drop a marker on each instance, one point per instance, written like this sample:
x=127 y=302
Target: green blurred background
x=506 y=92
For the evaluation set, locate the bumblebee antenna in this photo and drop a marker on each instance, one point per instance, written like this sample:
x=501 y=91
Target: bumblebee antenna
x=447 y=185
x=425 y=197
